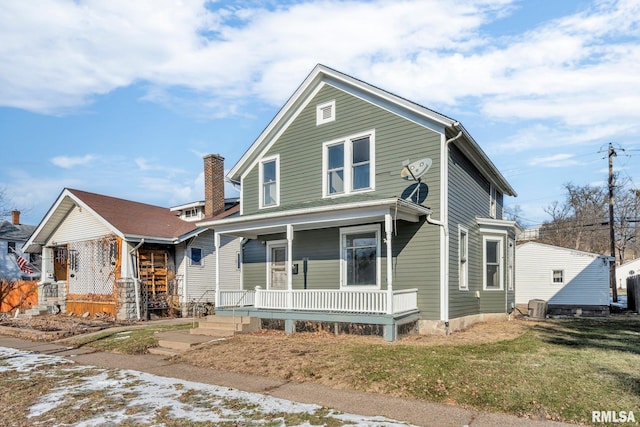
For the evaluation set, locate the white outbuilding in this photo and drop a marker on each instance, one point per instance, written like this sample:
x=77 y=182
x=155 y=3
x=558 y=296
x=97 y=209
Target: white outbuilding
x=570 y=281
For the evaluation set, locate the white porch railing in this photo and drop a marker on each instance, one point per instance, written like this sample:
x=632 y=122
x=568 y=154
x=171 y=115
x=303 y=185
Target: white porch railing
x=329 y=300
x=237 y=298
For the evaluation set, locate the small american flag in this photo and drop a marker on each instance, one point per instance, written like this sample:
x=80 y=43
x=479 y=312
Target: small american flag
x=23 y=264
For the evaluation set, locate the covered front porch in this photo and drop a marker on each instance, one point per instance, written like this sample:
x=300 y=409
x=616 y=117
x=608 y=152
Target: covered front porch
x=361 y=291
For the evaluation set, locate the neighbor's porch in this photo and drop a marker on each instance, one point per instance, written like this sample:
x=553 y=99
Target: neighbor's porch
x=337 y=302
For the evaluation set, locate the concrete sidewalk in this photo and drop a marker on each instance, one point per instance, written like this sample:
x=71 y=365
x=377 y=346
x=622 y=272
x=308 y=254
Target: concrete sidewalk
x=417 y=412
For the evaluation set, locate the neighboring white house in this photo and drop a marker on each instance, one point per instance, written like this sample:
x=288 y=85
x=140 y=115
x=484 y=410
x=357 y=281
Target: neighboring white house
x=629 y=268
x=128 y=259
x=13 y=235
x=567 y=279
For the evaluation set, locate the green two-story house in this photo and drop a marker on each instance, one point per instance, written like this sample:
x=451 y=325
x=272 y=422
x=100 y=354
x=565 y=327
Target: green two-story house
x=359 y=206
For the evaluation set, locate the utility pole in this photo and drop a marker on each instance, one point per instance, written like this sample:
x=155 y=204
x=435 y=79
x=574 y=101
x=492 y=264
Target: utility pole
x=612 y=234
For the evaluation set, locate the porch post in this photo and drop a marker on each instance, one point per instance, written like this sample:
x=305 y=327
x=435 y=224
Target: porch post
x=388 y=228
x=289 y=266
x=216 y=243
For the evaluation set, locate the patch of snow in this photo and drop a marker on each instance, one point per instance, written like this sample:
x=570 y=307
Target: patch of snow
x=137 y=396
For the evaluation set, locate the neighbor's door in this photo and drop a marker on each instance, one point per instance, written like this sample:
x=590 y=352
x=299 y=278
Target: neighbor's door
x=60 y=263
x=278 y=267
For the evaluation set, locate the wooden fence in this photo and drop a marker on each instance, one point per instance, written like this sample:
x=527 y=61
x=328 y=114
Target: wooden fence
x=633 y=293
x=17 y=294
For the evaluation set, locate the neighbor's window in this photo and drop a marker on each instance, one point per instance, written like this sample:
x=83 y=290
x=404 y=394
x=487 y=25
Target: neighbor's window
x=269 y=182
x=11 y=247
x=463 y=254
x=557 y=277
x=360 y=254
x=348 y=165
x=492 y=263
x=196 y=256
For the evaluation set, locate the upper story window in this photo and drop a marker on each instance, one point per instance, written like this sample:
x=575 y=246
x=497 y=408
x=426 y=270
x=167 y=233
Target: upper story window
x=11 y=247
x=348 y=165
x=493 y=200
x=270 y=182
x=325 y=112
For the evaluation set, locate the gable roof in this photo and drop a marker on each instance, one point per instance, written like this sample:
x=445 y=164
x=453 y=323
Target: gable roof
x=543 y=246
x=127 y=219
x=321 y=75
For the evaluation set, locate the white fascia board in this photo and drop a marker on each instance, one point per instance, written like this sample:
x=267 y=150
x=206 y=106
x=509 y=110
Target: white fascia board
x=250 y=155
x=323 y=214
x=484 y=164
x=64 y=196
x=491 y=225
x=149 y=239
x=186 y=206
x=191 y=234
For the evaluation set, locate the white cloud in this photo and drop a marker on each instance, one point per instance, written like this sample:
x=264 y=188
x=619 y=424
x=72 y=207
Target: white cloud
x=68 y=162
x=212 y=59
x=554 y=161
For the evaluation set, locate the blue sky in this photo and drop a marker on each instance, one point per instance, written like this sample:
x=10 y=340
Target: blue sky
x=124 y=98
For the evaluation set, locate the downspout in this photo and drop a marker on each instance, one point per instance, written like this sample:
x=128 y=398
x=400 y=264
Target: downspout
x=136 y=284
x=445 y=228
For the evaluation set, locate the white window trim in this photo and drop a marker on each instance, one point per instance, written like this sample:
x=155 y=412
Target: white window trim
x=557 y=283
x=270 y=245
x=348 y=164
x=264 y=160
x=463 y=286
x=486 y=239
x=320 y=120
x=343 y=262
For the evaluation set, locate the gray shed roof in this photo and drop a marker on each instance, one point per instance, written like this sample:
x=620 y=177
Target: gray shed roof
x=15 y=232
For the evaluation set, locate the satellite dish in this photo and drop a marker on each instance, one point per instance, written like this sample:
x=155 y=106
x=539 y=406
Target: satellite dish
x=416 y=169
x=415 y=193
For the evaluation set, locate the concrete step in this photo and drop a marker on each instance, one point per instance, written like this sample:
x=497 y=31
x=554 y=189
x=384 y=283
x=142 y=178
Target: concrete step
x=162 y=351
x=211 y=332
x=180 y=340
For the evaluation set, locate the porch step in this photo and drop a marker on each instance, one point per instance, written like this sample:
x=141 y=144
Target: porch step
x=36 y=310
x=225 y=326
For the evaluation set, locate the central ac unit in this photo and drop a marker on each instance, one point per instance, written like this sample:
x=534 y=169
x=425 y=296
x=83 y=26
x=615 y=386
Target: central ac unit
x=537 y=308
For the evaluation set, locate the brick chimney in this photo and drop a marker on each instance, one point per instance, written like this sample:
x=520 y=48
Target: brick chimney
x=213 y=184
x=15 y=217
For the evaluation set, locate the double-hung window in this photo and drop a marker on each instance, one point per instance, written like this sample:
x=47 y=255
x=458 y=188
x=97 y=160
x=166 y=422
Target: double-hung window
x=360 y=248
x=348 y=165
x=492 y=263
x=270 y=182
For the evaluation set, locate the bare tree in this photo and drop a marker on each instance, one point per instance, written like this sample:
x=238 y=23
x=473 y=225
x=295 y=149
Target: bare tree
x=581 y=220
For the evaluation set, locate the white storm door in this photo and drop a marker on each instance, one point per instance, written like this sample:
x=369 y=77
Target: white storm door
x=277 y=266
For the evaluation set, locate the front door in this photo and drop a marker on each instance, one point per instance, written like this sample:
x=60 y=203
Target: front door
x=60 y=263
x=278 y=267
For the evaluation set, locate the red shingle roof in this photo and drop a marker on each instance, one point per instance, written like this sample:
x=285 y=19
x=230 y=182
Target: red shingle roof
x=134 y=218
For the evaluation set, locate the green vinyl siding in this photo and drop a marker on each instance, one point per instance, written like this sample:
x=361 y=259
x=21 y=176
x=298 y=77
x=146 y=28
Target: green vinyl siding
x=300 y=149
x=416 y=264
x=468 y=200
